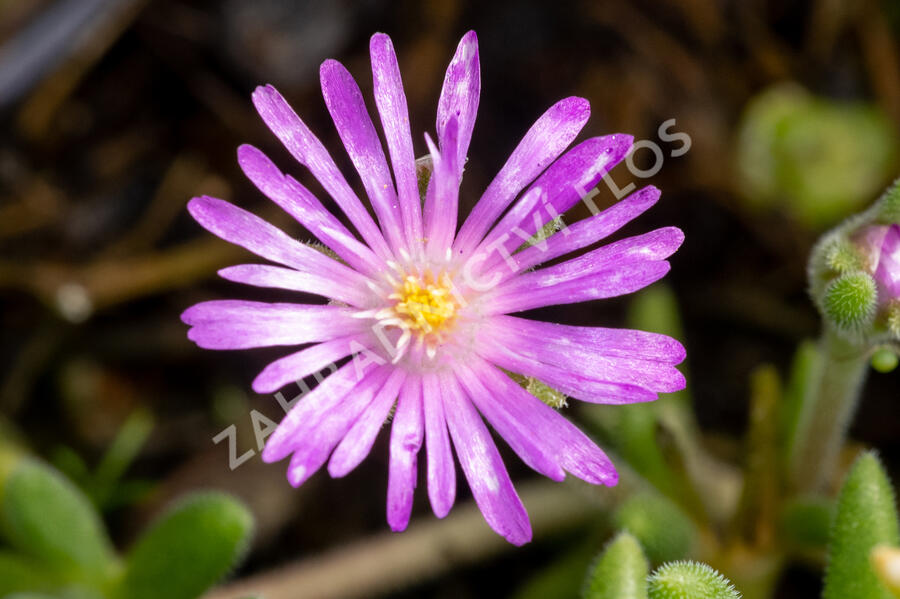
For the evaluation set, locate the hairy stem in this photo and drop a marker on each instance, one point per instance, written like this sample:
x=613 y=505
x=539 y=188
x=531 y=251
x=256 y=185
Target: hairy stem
x=828 y=409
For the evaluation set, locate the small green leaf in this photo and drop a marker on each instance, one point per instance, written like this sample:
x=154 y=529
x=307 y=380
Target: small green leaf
x=690 y=580
x=866 y=517
x=663 y=530
x=188 y=550
x=44 y=515
x=620 y=572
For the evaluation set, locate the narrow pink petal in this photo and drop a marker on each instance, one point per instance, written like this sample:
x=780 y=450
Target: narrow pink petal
x=313 y=406
x=348 y=110
x=608 y=342
x=649 y=247
x=544 y=142
x=888 y=271
x=573 y=449
x=572 y=384
x=358 y=441
x=236 y=324
x=441 y=468
x=391 y=102
x=560 y=187
x=442 y=199
x=490 y=484
x=309 y=151
x=247 y=230
x=278 y=277
x=318 y=434
x=407 y=432
x=586 y=231
x=459 y=100
x=296 y=366
x=649 y=374
x=515 y=432
x=613 y=282
x=300 y=203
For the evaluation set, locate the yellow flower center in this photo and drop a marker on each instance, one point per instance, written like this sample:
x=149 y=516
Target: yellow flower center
x=425 y=304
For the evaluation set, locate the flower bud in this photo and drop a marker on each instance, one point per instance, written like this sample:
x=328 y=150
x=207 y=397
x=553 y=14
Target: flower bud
x=855 y=275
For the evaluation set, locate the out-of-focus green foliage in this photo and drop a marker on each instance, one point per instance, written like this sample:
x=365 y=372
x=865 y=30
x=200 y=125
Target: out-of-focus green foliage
x=805 y=523
x=866 y=517
x=43 y=515
x=561 y=578
x=663 y=530
x=188 y=549
x=816 y=159
x=57 y=544
x=620 y=572
x=690 y=580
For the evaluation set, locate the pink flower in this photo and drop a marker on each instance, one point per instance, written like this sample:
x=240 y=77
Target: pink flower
x=887 y=273
x=420 y=318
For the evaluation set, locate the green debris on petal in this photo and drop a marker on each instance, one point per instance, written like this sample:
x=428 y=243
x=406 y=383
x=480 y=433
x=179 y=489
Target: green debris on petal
x=320 y=247
x=619 y=572
x=850 y=300
x=866 y=517
x=424 y=168
x=543 y=233
x=545 y=393
x=690 y=580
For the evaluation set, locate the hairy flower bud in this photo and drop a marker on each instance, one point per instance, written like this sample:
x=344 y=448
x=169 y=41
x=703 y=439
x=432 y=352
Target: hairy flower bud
x=855 y=275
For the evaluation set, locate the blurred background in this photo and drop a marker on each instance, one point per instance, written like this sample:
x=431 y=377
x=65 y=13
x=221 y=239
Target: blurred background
x=116 y=112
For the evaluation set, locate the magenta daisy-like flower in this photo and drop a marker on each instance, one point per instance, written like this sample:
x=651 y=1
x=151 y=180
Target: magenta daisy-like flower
x=419 y=318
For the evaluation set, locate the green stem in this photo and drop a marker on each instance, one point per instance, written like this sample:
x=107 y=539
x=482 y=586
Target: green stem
x=829 y=407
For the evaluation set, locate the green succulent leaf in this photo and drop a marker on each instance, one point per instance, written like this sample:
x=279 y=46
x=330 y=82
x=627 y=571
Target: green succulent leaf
x=664 y=531
x=620 y=571
x=45 y=516
x=866 y=517
x=188 y=550
x=690 y=580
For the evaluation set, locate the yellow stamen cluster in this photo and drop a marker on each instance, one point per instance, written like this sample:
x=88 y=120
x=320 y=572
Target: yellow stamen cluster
x=426 y=304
